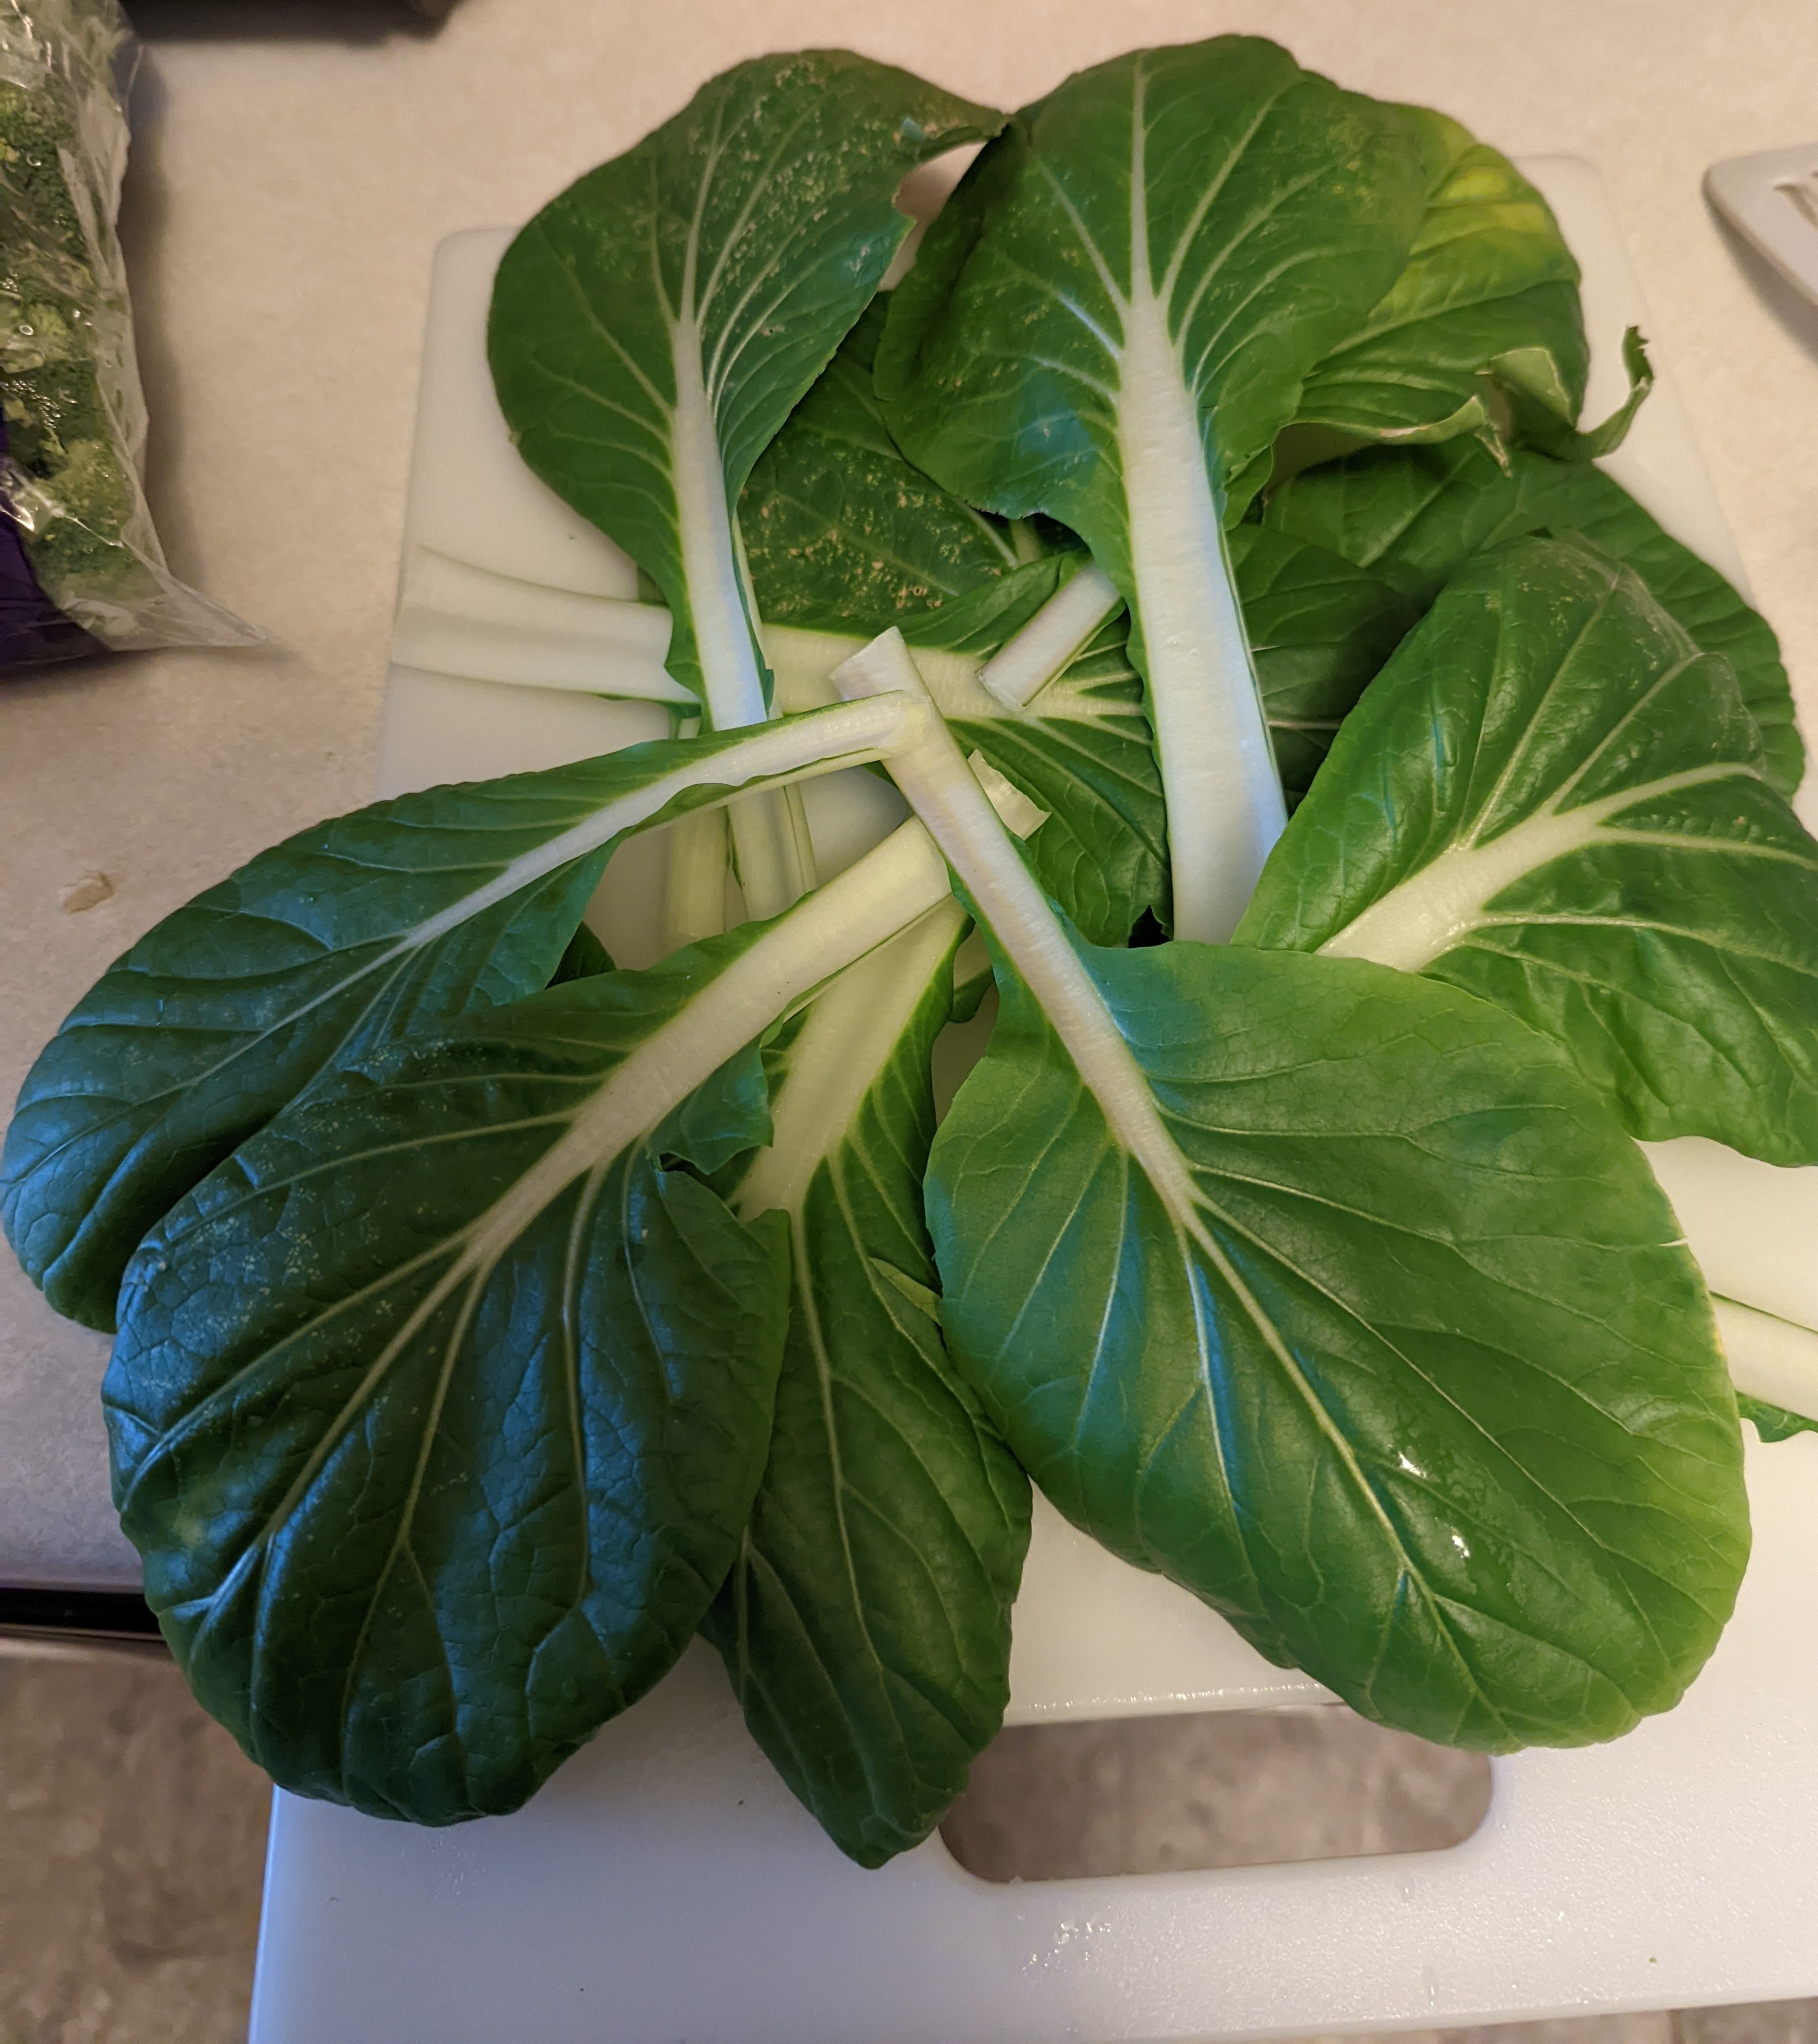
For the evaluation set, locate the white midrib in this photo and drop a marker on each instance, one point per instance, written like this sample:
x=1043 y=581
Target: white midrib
x=1225 y=805
x=1438 y=907
x=797 y=748
x=769 y=837
x=862 y=908
x=733 y=684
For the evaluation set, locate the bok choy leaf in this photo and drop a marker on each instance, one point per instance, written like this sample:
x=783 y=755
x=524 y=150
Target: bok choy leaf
x=866 y=1621
x=359 y=929
x=1337 y=1296
x=1413 y=515
x=652 y=327
x=1111 y=321
x=437 y=1411
x=1489 y=286
x=1550 y=798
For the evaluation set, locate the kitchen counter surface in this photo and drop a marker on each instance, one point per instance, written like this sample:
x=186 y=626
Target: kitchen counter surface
x=285 y=198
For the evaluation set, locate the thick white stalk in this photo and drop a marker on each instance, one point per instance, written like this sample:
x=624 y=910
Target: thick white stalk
x=1441 y=904
x=941 y=789
x=453 y=618
x=694 y=886
x=1225 y=806
x=897 y=881
x=1027 y=662
x=769 y=835
x=1771 y=1359
x=731 y=676
x=848 y=1035
x=821 y=742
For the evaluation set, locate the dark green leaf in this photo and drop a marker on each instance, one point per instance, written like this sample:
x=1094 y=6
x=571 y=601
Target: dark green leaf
x=653 y=326
x=866 y=1624
x=1110 y=322
x=389 y=919
x=1414 y=515
x=437 y=1410
x=842 y=533
x=1334 y=1295
x=1319 y=629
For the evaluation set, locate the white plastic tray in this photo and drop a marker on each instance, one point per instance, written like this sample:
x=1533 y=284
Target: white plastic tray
x=665 y=1885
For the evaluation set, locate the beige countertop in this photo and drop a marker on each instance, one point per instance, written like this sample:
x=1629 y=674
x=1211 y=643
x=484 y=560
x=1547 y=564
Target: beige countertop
x=285 y=197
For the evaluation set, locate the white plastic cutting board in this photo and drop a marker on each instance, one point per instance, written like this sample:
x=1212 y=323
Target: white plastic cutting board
x=665 y=1885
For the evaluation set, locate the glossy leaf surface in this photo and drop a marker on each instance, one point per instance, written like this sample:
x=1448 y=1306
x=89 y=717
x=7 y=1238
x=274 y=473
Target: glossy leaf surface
x=1334 y=1295
x=437 y=1410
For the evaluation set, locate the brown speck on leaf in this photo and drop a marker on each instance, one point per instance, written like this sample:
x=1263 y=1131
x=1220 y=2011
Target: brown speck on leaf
x=92 y=889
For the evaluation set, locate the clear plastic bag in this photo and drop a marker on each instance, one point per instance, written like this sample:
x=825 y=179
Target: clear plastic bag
x=81 y=567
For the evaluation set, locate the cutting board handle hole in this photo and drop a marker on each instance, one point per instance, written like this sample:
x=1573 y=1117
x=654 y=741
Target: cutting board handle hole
x=1213 y=1788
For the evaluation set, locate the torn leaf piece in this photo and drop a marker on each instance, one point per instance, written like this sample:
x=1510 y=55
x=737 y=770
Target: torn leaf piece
x=1551 y=798
x=1334 y=1295
x=438 y=1410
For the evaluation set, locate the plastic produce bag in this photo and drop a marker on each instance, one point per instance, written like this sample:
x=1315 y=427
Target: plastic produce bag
x=80 y=566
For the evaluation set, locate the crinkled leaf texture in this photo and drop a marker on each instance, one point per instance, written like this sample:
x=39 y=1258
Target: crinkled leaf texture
x=866 y=1622
x=1551 y=798
x=1334 y=1295
x=436 y=1412
x=653 y=326
x=1413 y=515
x=360 y=928
x=841 y=532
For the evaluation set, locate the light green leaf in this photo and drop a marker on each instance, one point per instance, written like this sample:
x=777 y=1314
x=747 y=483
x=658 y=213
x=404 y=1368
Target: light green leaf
x=1333 y=1297
x=653 y=327
x=1110 y=322
x=1489 y=274
x=1414 y=515
x=866 y=1622
x=1550 y=798
x=392 y=918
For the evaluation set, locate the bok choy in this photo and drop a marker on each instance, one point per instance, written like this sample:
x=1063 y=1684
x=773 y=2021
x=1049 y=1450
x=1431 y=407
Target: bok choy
x=492 y=1319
